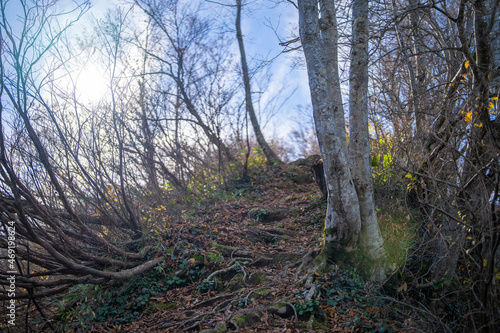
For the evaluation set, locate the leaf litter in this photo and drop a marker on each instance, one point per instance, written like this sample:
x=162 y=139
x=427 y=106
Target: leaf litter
x=250 y=264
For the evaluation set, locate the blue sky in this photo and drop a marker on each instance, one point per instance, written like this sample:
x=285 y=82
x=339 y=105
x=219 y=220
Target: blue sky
x=261 y=42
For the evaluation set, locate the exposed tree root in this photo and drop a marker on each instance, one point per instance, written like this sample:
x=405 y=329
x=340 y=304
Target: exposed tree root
x=250 y=316
x=311 y=265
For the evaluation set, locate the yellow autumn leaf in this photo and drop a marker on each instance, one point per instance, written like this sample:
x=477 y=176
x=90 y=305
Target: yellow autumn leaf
x=404 y=287
x=466 y=64
x=494 y=98
x=468 y=117
x=490 y=105
x=478 y=125
x=408 y=175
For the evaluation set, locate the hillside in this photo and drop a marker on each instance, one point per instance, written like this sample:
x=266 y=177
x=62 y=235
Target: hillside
x=143 y=176
x=235 y=264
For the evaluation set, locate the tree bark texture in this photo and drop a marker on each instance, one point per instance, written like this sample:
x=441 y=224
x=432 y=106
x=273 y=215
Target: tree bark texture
x=319 y=40
x=351 y=231
x=359 y=145
x=319 y=177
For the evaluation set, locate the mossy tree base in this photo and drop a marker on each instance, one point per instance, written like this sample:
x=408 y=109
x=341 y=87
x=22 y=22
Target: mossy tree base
x=331 y=257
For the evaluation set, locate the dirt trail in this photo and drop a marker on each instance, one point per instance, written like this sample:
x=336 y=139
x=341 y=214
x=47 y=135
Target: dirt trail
x=251 y=246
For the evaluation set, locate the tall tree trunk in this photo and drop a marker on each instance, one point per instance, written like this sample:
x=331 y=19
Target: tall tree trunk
x=268 y=152
x=148 y=143
x=495 y=49
x=344 y=229
x=370 y=240
x=420 y=70
x=414 y=86
x=481 y=162
x=343 y=221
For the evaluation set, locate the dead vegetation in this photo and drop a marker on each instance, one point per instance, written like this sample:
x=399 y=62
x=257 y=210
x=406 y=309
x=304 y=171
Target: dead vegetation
x=233 y=264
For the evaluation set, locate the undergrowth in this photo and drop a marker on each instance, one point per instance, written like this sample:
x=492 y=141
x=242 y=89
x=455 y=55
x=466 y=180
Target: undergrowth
x=350 y=299
x=346 y=292
x=341 y=295
x=122 y=303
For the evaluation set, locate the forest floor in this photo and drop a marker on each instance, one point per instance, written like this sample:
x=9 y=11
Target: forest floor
x=235 y=264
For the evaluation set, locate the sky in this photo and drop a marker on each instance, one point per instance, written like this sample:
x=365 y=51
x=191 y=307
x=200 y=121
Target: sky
x=264 y=23
x=260 y=19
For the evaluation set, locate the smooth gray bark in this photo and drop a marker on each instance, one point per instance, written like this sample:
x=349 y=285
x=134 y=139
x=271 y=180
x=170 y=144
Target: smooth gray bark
x=346 y=231
x=319 y=41
x=370 y=241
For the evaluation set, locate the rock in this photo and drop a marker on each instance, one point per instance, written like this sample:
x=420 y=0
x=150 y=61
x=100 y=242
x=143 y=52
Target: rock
x=246 y=317
x=284 y=310
x=266 y=215
x=303 y=178
x=307 y=161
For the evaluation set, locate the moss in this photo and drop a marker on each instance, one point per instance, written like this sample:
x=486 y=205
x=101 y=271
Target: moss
x=316 y=323
x=398 y=230
x=199 y=259
x=220 y=328
x=285 y=258
x=225 y=249
x=333 y=252
x=159 y=306
x=283 y=309
x=365 y=263
x=262 y=292
x=235 y=283
x=214 y=257
x=247 y=317
x=257 y=278
x=342 y=255
x=240 y=320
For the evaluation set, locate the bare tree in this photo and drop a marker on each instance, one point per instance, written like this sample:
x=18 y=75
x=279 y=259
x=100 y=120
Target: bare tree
x=450 y=47
x=268 y=152
x=44 y=184
x=183 y=35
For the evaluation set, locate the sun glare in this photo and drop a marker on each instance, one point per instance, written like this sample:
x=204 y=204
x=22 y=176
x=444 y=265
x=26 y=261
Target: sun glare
x=91 y=84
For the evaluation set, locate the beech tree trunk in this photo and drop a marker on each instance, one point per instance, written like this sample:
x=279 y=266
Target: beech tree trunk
x=347 y=234
x=370 y=240
x=268 y=152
